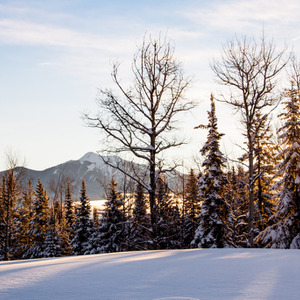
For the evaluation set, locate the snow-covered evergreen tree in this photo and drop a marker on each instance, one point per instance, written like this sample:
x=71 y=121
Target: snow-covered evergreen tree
x=168 y=218
x=265 y=169
x=83 y=224
x=236 y=195
x=113 y=223
x=285 y=233
x=52 y=241
x=191 y=207
x=69 y=213
x=140 y=235
x=38 y=226
x=213 y=231
x=264 y=163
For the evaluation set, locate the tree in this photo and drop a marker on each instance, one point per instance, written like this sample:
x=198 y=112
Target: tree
x=191 y=208
x=38 y=225
x=57 y=189
x=112 y=229
x=250 y=69
x=83 y=224
x=23 y=221
x=236 y=195
x=10 y=192
x=265 y=152
x=213 y=230
x=140 y=232
x=142 y=118
x=285 y=233
x=52 y=241
x=168 y=218
x=264 y=158
x=69 y=213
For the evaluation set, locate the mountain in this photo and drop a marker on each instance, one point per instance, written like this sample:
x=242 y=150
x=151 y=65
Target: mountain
x=96 y=173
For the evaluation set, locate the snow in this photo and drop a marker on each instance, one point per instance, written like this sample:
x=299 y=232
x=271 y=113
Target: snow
x=169 y=274
x=91 y=167
x=92 y=158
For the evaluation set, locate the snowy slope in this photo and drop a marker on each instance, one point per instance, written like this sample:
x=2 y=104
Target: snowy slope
x=171 y=274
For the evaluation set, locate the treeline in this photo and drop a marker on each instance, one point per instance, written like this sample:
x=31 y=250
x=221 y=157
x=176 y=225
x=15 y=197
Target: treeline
x=212 y=210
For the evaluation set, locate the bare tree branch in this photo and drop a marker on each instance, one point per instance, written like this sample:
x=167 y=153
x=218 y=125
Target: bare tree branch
x=250 y=70
x=139 y=119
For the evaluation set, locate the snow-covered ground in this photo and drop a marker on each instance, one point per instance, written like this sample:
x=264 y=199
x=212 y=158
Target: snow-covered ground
x=171 y=274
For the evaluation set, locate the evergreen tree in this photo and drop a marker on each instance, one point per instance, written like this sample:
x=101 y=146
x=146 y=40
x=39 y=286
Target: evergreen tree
x=140 y=236
x=191 y=208
x=52 y=241
x=9 y=197
x=38 y=225
x=213 y=231
x=168 y=221
x=285 y=233
x=24 y=217
x=96 y=221
x=112 y=237
x=264 y=168
x=69 y=213
x=83 y=224
x=236 y=195
x=264 y=162
x=2 y=218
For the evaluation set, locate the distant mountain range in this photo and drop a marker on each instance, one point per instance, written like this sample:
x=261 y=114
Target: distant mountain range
x=96 y=173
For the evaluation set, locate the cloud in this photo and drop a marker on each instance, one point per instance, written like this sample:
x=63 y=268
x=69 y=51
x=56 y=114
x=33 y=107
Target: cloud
x=21 y=32
x=240 y=15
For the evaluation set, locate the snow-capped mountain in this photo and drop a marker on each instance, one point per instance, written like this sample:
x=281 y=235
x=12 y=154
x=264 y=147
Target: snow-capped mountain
x=96 y=173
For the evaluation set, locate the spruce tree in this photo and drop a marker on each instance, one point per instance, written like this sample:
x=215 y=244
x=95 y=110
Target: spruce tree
x=112 y=236
x=69 y=213
x=38 y=225
x=285 y=233
x=213 y=231
x=24 y=216
x=140 y=236
x=168 y=218
x=264 y=168
x=52 y=241
x=264 y=162
x=2 y=218
x=83 y=224
x=191 y=208
x=236 y=195
x=9 y=198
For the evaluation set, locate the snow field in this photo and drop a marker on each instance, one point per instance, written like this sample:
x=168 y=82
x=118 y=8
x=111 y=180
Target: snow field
x=169 y=274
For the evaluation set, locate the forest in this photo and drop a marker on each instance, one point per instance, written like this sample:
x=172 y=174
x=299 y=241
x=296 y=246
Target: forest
x=250 y=202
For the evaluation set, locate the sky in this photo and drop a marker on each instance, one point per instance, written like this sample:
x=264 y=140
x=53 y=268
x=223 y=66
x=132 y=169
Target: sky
x=56 y=54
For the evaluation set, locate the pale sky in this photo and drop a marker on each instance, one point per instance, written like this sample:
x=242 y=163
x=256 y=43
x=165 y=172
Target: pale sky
x=55 y=54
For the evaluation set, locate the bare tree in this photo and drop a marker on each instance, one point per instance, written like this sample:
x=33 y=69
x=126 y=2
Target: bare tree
x=141 y=119
x=250 y=69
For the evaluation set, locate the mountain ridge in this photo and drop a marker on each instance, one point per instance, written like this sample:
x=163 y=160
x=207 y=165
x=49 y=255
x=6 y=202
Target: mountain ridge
x=96 y=173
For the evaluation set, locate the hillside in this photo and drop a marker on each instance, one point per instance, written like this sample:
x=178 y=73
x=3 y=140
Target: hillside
x=171 y=274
